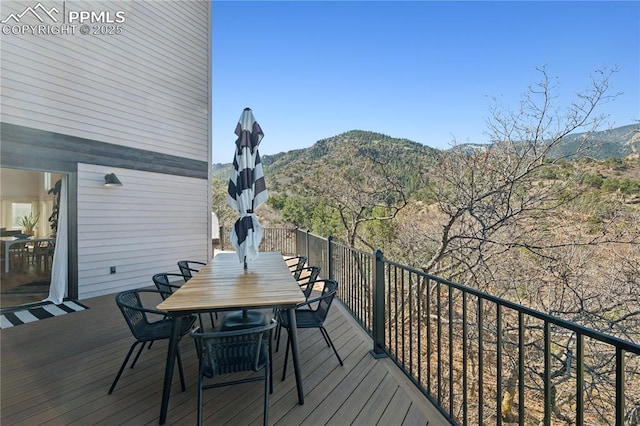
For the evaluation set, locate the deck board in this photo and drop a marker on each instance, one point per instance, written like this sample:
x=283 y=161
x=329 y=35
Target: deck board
x=58 y=371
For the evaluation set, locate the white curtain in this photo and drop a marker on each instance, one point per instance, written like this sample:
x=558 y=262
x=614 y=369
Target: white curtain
x=59 y=272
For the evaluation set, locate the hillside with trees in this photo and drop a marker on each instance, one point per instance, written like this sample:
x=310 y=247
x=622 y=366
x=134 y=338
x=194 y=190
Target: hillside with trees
x=498 y=219
x=540 y=216
x=547 y=216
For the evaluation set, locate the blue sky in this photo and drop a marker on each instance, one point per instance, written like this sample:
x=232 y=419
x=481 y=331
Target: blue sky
x=423 y=70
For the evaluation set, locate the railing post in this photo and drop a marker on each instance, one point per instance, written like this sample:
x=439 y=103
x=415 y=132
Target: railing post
x=378 y=306
x=329 y=259
x=306 y=244
x=620 y=386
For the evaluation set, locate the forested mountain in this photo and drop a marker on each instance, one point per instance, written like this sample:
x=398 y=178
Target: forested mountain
x=621 y=142
x=490 y=218
x=286 y=170
x=524 y=219
x=333 y=151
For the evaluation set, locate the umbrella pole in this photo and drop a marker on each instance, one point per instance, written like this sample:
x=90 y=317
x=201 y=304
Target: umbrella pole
x=244 y=311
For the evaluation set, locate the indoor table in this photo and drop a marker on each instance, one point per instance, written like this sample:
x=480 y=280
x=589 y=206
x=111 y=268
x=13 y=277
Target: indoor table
x=9 y=241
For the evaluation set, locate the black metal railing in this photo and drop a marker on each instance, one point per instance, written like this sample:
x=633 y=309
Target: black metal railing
x=274 y=239
x=479 y=358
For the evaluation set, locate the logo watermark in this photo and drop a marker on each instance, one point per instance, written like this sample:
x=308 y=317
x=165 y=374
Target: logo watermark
x=56 y=19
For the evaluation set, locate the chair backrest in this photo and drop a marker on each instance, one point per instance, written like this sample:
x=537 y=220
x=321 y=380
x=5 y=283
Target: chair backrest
x=296 y=262
x=188 y=268
x=41 y=247
x=329 y=289
x=307 y=277
x=130 y=303
x=165 y=285
x=225 y=352
x=18 y=247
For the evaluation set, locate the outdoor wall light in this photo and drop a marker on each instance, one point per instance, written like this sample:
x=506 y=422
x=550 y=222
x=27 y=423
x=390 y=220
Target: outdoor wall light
x=111 y=180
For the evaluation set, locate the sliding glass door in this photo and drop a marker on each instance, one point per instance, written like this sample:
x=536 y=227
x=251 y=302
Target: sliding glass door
x=29 y=207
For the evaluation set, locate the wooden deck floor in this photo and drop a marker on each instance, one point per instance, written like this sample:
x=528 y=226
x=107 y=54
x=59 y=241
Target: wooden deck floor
x=58 y=371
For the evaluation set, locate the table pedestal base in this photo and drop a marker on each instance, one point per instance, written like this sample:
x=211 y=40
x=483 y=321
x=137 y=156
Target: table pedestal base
x=246 y=319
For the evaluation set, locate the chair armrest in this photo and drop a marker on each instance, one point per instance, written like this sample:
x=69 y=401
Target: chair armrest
x=304 y=286
x=315 y=299
x=309 y=302
x=147 y=310
x=169 y=285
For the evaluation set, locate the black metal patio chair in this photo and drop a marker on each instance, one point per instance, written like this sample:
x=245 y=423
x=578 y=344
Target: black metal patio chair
x=226 y=352
x=310 y=314
x=189 y=267
x=294 y=263
x=146 y=325
x=306 y=278
x=167 y=283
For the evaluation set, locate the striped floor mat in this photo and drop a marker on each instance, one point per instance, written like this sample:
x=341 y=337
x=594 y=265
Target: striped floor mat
x=39 y=312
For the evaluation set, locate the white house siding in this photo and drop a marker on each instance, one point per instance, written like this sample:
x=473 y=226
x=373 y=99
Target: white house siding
x=137 y=104
x=142 y=227
x=147 y=88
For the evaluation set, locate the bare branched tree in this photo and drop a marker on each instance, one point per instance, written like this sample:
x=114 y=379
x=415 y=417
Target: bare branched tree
x=490 y=199
x=497 y=222
x=362 y=190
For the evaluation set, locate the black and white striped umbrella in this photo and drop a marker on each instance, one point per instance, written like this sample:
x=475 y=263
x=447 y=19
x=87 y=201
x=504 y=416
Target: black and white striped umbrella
x=247 y=189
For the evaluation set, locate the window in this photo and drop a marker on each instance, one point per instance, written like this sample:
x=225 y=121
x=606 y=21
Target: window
x=19 y=210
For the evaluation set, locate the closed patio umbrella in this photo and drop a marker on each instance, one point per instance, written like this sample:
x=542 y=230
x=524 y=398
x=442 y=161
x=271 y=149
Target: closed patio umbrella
x=247 y=189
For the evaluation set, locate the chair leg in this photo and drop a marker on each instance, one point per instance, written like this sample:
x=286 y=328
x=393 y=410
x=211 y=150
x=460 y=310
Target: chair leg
x=326 y=336
x=200 y=384
x=270 y=364
x=278 y=333
x=201 y=323
x=267 y=380
x=137 y=355
x=124 y=363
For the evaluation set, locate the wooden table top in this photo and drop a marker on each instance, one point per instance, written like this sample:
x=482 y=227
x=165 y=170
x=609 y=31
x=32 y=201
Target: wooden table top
x=225 y=284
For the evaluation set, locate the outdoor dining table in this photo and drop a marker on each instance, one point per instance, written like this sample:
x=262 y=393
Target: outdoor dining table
x=224 y=284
